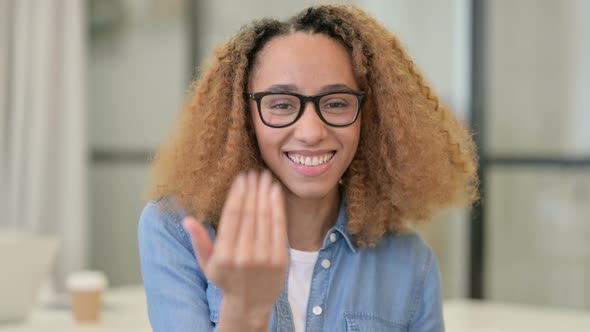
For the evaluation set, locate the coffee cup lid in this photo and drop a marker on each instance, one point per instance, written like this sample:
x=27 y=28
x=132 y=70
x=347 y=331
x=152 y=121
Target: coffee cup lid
x=86 y=280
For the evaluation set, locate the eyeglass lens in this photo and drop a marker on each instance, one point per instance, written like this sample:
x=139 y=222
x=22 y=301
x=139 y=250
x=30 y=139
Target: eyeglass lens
x=282 y=109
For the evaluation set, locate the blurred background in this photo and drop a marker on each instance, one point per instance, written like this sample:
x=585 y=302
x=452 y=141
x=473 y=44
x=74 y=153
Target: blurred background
x=89 y=89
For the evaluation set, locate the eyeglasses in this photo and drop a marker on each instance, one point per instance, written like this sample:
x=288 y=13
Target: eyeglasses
x=282 y=109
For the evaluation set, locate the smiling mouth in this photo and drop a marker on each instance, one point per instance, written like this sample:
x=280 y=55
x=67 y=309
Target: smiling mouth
x=310 y=160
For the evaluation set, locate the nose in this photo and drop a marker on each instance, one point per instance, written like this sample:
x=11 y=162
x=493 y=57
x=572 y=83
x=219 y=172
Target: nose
x=310 y=129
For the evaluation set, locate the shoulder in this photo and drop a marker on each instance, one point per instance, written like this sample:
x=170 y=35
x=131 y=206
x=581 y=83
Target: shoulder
x=158 y=219
x=416 y=266
x=409 y=253
x=407 y=244
x=161 y=211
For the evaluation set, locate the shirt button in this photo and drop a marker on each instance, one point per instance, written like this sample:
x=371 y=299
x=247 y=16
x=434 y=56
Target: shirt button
x=326 y=263
x=317 y=310
x=333 y=237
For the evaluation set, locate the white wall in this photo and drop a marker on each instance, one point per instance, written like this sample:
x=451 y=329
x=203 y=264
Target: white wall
x=137 y=77
x=539 y=90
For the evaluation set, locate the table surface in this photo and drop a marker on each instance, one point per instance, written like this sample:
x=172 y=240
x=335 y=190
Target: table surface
x=125 y=310
x=462 y=315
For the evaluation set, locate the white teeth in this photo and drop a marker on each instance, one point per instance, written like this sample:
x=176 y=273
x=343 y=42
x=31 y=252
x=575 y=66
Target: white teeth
x=310 y=161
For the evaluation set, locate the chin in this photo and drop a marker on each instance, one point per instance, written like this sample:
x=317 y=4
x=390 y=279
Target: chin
x=311 y=191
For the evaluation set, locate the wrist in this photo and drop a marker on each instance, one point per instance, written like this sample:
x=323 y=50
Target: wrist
x=248 y=317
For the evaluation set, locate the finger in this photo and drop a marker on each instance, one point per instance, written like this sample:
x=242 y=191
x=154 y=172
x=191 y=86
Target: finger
x=248 y=220
x=229 y=222
x=200 y=240
x=263 y=216
x=279 y=220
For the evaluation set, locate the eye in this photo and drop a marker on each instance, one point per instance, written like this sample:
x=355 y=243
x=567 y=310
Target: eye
x=280 y=103
x=336 y=104
x=282 y=106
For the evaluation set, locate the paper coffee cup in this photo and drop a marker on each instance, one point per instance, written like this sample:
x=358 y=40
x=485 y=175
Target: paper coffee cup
x=86 y=290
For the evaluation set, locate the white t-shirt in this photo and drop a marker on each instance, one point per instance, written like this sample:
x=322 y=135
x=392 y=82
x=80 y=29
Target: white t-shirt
x=301 y=267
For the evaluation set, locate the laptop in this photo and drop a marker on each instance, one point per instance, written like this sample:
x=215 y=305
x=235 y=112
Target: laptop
x=25 y=261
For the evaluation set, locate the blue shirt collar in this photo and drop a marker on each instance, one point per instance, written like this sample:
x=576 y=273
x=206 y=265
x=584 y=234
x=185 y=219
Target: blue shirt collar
x=341 y=228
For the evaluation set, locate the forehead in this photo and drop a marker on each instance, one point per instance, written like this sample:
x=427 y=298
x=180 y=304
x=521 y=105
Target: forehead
x=308 y=61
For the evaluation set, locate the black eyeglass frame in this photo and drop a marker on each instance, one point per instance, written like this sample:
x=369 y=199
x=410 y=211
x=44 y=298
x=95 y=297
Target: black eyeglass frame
x=303 y=100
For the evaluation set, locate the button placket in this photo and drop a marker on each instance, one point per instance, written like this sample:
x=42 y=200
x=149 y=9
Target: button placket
x=319 y=287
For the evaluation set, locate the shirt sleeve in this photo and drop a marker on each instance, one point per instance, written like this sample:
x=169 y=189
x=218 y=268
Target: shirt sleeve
x=429 y=315
x=175 y=286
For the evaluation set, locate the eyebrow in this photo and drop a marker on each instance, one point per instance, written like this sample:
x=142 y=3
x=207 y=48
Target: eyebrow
x=294 y=88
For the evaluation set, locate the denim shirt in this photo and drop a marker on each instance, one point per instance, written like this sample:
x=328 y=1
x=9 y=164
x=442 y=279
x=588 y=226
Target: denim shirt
x=394 y=286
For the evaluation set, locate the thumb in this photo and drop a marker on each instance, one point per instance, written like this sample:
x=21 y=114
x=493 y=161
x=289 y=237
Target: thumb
x=201 y=242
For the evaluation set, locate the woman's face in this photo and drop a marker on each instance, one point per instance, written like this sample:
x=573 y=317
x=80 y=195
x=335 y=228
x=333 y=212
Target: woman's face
x=307 y=64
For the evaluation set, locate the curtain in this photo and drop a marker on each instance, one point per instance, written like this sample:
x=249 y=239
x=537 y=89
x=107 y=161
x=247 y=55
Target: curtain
x=43 y=148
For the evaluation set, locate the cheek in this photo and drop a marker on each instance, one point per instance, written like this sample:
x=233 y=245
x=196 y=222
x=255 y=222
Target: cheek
x=259 y=129
x=268 y=142
x=354 y=136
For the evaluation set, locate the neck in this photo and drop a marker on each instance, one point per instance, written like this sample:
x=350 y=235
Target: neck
x=310 y=220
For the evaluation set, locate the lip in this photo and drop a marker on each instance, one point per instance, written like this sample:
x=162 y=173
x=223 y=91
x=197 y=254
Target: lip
x=310 y=170
x=310 y=153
